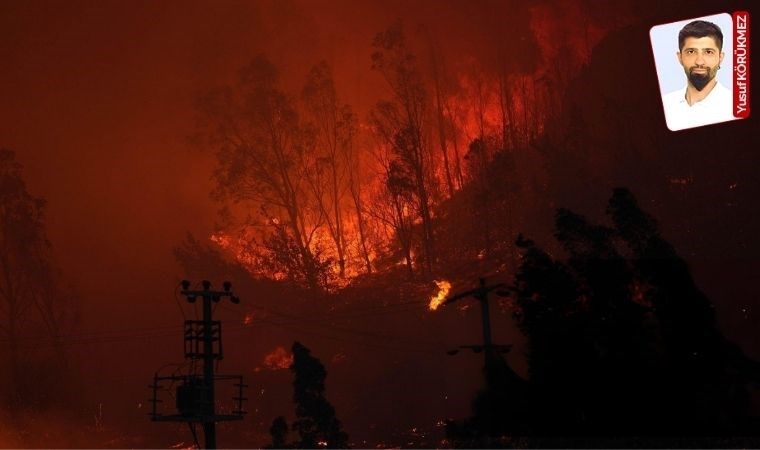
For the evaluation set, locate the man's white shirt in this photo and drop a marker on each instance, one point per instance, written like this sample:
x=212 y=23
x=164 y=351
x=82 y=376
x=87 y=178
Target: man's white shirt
x=716 y=107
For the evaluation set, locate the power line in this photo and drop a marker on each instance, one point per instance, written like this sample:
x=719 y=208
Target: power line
x=132 y=332
x=333 y=326
x=113 y=336
x=94 y=333
x=291 y=325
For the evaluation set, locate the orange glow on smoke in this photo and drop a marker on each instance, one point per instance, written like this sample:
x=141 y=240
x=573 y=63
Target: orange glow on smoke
x=507 y=110
x=243 y=248
x=239 y=247
x=278 y=359
x=443 y=290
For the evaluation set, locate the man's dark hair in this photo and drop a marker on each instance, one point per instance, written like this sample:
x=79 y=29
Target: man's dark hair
x=700 y=29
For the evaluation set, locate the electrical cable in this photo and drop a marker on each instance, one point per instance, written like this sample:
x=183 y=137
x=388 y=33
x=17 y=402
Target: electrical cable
x=333 y=326
x=353 y=331
x=93 y=333
x=101 y=337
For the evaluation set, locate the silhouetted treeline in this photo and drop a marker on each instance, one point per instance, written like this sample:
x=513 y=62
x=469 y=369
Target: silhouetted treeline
x=623 y=347
x=36 y=306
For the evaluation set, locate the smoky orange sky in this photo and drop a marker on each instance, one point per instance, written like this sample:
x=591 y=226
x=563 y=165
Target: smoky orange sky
x=98 y=101
x=99 y=106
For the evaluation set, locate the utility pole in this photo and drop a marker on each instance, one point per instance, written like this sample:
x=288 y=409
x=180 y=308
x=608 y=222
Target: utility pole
x=208 y=410
x=506 y=391
x=195 y=397
x=481 y=294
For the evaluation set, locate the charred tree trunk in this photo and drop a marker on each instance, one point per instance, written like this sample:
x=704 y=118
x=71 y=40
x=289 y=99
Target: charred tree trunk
x=441 y=122
x=360 y=225
x=507 y=140
x=339 y=238
x=457 y=154
x=427 y=226
x=404 y=234
x=307 y=258
x=15 y=386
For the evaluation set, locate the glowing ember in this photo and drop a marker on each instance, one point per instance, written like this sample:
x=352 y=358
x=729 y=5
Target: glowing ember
x=184 y=446
x=278 y=358
x=443 y=290
x=248 y=319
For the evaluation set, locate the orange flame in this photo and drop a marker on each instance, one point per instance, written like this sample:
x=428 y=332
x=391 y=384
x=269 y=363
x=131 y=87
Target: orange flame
x=278 y=358
x=443 y=290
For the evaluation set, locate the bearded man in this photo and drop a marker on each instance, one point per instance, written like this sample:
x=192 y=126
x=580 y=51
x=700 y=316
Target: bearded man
x=704 y=100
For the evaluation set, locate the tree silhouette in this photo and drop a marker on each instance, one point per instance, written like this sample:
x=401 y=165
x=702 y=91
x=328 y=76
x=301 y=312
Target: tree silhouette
x=315 y=422
x=261 y=163
x=614 y=324
x=552 y=319
x=32 y=298
x=333 y=125
x=403 y=122
x=279 y=433
x=500 y=410
x=706 y=374
x=646 y=357
x=621 y=344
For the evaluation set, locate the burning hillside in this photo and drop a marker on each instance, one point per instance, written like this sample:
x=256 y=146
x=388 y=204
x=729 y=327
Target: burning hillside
x=319 y=194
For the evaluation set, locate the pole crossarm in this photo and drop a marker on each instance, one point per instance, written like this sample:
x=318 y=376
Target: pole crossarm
x=480 y=293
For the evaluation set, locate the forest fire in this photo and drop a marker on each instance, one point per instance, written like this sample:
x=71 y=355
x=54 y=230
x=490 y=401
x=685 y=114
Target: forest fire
x=239 y=247
x=368 y=188
x=443 y=290
x=426 y=148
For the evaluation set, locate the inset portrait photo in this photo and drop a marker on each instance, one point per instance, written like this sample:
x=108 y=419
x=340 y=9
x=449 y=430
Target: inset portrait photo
x=695 y=64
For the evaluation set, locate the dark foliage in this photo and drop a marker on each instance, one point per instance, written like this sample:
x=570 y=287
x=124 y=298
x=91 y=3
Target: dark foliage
x=316 y=423
x=623 y=348
x=33 y=300
x=284 y=256
x=279 y=432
